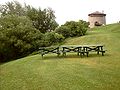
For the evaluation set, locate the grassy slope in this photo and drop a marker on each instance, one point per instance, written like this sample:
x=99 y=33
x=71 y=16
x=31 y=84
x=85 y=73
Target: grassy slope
x=72 y=72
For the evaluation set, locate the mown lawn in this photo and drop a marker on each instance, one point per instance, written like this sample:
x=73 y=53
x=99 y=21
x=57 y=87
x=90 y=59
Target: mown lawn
x=95 y=72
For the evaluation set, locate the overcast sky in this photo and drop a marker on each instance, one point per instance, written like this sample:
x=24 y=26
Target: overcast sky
x=67 y=10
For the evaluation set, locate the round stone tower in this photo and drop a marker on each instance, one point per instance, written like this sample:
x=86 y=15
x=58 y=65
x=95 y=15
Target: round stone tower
x=96 y=19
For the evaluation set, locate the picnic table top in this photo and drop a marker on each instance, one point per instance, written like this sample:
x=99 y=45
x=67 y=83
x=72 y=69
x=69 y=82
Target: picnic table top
x=92 y=45
x=72 y=46
x=49 y=48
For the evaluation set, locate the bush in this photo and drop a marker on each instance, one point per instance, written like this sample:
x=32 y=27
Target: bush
x=72 y=28
x=64 y=30
x=52 y=38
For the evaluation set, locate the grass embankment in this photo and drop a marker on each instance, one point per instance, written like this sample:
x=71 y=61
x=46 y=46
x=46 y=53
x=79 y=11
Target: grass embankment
x=95 y=72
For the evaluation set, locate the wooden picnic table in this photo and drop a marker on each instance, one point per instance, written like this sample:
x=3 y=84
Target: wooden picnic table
x=79 y=49
x=71 y=48
x=46 y=50
x=94 y=48
x=83 y=49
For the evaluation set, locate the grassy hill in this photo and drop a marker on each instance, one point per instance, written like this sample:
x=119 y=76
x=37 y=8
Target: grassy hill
x=95 y=72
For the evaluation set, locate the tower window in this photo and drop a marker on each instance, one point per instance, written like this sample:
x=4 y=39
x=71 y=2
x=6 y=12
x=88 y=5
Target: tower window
x=97 y=24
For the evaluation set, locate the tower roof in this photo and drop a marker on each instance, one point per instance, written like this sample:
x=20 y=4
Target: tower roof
x=97 y=13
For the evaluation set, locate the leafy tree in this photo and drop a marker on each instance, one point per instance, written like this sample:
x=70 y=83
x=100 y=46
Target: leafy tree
x=43 y=20
x=12 y=8
x=18 y=37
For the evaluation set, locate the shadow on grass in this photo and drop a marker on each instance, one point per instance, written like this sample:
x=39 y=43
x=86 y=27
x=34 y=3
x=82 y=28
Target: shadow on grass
x=74 y=56
x=100 y=55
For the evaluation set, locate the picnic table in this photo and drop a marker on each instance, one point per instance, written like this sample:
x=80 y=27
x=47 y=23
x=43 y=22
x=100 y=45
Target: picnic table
x=83 y=49
x=94 y=48
x=79 y=49
x=72 y=48
x=46 y=50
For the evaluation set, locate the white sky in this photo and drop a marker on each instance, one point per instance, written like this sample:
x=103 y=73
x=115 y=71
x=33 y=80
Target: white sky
x=67 y=10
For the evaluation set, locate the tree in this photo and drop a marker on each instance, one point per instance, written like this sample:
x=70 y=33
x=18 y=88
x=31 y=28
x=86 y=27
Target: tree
x=12 y=8
x=18 y=37
x=25 y=29
x=43 y=20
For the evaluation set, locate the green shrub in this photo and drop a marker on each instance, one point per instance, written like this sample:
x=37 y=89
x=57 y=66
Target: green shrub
x=64 y=30
x=52 y=38
x=72 y=28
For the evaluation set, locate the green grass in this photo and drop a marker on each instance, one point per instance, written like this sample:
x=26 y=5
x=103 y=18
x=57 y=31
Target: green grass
x=95 y=72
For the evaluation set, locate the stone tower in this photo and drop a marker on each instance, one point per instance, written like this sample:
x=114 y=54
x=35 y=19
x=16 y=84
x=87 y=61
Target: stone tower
x=96 y=19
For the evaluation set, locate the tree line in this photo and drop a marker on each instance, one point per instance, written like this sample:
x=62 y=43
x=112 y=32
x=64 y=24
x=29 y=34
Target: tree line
x=23 y=29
